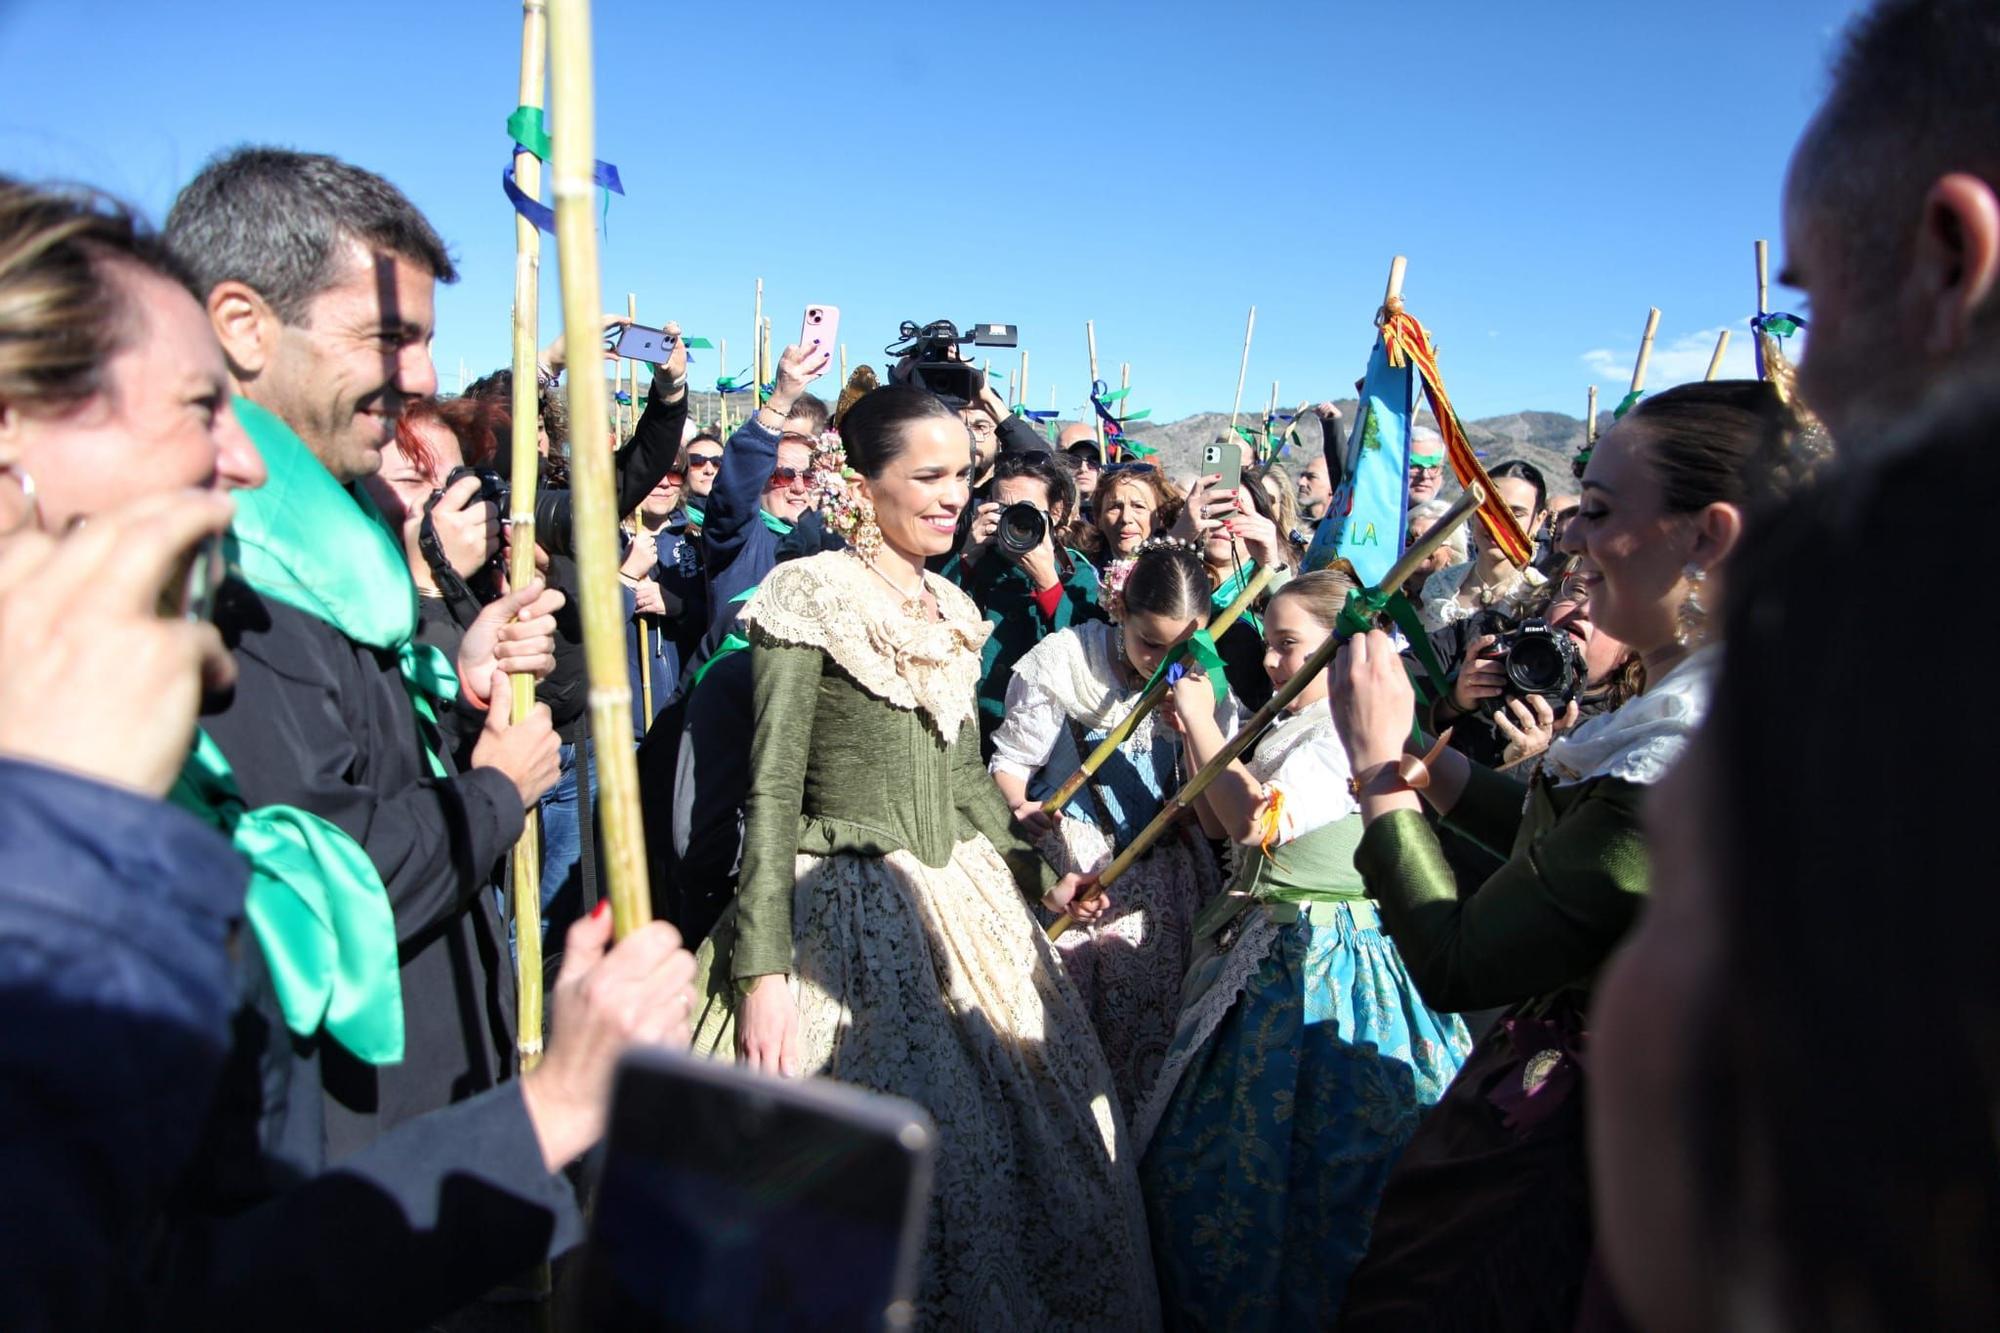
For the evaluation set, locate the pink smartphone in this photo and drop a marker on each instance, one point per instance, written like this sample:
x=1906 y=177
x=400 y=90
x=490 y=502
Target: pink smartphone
x=821 y=328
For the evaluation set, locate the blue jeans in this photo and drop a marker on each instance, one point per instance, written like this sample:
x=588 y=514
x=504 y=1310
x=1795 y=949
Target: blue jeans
x=563 y=824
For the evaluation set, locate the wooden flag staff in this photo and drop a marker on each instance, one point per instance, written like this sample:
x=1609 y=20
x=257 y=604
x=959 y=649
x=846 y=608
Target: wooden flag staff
x=596 y=537
x=1399 y=574
x=1155 y=692
x=527 y=471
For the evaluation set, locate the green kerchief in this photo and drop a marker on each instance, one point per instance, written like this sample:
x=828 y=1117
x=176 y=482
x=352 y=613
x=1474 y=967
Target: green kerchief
x=774 y=523
x=318 y=908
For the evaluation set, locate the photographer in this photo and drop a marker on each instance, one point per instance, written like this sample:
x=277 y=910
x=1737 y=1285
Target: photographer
x=1027 y=586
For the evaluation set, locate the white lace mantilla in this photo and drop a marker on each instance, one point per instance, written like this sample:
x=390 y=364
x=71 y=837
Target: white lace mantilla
x=1287 y=734
x=838 y=605
x=1082 y=669
x=1641 y=740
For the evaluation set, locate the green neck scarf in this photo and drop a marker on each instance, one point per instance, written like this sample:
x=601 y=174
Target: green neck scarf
x=1232 y=587
x=695 y=517
x=774 y=523
x=317 y=904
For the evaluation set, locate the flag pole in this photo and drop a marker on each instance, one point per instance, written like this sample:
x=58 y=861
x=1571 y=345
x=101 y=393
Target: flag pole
x=596 y=540
x=527 y=471
x=1400 y=573
x=1242 y=371
x=1155 y=692
x=1096 y=422
x=1645 y=349
x=1715 y=362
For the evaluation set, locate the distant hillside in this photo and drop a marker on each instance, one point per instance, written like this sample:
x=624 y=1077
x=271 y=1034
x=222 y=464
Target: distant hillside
x=1549 y=440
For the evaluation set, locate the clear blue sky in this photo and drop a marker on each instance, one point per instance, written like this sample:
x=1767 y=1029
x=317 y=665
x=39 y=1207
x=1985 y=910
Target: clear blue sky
x=1550 y=169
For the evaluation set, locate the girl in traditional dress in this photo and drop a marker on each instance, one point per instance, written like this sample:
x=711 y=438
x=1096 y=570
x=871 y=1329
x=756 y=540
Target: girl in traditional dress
x=882 y=932
x=1066 y=695
x=1304 y=1056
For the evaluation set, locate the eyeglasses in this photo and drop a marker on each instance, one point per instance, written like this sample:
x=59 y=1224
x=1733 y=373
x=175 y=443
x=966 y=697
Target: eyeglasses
x=704 y=460
x=981 y=426
x=785 y=476
x=1426 y=468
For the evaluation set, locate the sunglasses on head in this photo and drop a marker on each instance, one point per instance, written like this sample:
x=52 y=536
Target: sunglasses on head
x=785 y=476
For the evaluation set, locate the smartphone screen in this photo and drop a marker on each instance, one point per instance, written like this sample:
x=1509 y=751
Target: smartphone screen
x=733 y=1200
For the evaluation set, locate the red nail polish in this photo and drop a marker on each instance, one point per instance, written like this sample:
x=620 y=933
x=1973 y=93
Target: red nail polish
x=603 y=906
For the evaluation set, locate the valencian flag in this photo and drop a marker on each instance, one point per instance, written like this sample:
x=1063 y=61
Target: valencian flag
x=1367 y=522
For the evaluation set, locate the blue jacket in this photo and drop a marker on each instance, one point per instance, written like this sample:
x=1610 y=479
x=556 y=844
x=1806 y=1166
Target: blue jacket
x=738 y=548
x=116 y=912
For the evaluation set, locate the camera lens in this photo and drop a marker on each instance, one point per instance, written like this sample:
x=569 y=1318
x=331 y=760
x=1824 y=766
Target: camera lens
x=1022 y=527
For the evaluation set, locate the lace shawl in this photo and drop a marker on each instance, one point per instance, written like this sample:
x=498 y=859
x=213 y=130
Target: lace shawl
x=836 y=604
x=1639 y=741
x=1081 y=668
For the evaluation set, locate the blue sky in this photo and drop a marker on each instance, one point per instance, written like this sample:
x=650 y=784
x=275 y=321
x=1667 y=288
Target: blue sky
x=1550 y=169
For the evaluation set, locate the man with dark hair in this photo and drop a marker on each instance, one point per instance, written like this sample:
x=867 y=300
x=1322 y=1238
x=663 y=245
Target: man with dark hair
x=1892 y=214
x=317 y=278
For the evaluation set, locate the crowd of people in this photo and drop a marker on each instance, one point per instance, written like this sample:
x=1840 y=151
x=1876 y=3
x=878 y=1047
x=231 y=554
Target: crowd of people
x=1463 y=996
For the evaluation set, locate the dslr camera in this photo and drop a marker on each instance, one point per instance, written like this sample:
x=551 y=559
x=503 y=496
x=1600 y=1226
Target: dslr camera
x=935 y=364
x=1539 y=659
x=493 y=488
x=1022 y=528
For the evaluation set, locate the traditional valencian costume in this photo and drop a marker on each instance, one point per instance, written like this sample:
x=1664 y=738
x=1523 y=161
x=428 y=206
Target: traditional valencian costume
x=1486 y=1220
x=882 y=870
x=1066 y=696
x=1302 y=1063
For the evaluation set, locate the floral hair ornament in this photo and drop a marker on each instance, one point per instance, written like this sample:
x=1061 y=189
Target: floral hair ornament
x=844 y=510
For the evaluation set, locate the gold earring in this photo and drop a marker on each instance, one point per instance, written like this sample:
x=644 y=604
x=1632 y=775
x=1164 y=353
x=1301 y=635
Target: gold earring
x=1691 y=617
x=867 y=538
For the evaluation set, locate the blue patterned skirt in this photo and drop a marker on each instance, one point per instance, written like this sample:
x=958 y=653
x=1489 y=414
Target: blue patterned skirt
x=1303 y=1071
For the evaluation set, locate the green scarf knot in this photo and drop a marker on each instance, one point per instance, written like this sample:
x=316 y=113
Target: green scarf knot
x=1201 y=647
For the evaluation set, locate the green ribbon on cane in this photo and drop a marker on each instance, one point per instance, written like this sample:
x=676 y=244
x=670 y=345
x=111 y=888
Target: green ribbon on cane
x=1630 y=401
x=1201 y=647
x=1365 y=606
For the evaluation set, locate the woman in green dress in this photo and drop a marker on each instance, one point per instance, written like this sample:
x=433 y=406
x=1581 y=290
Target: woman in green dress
x=1486 y=1220
x=883 y=931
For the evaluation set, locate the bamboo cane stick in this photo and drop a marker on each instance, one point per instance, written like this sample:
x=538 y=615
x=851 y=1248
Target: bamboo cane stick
x=721 y=398
x=1763 y=277
x=527 y=469
x=631 y=377
x=1096 y=422
x=843 y=365
x=590 y=475
x=1024 y=377
x=1645 y=349
x=1590 y=418
x=1715 y=362
x=1399 y=574
x=1155 y=692
x=770 y=366
x=757 y=347
x=1011 y=399
x=1393 y=292
x=1242 y=371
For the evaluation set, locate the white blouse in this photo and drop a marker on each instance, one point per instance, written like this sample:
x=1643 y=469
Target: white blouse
x=1301 y=762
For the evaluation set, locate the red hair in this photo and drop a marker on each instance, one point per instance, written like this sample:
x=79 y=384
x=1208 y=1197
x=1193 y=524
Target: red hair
x=475 y=423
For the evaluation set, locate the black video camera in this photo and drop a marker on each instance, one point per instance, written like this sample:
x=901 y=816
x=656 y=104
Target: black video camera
x=935 y=364
x=1537 y=659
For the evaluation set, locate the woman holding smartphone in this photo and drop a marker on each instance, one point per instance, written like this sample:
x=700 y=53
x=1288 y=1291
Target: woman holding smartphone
x=883 y=931
x=1237 y=534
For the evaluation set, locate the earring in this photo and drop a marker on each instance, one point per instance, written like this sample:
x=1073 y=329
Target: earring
x=867 y=536
x=1691 y=619
x=31 y=505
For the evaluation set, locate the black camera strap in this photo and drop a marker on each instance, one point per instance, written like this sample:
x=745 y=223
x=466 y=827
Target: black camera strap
x=458 y=596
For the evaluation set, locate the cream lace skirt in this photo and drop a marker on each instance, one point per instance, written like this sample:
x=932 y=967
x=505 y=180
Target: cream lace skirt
x=1129 y=967
x=939 y=986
